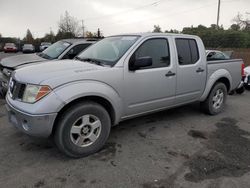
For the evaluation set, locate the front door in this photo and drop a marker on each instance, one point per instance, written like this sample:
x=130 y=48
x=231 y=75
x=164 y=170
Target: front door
x=153 y=87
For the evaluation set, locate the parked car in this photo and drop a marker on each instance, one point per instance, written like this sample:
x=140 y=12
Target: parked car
x=44 y=45
x=10 y=47
x=63 y=49
x=247 y=78
x=28 y=48
x=120 y=77
x=214 y=55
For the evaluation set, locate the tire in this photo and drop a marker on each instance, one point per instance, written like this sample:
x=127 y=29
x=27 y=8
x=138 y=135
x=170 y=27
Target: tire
x=240 y=90
x=83 y=117
x=209 y=105
x=247 y=87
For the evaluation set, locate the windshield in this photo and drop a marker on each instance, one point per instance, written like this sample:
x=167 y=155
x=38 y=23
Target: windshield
x=109 y=50
x=27 y=45
x=10 y=44
x=55 y=50
x=45 y=43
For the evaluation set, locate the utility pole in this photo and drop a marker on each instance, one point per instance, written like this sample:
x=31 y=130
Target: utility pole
x=218 y=14
x=83 y=34
x=98 y=33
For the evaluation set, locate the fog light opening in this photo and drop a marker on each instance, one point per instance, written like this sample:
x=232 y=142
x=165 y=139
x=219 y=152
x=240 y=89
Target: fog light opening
x=25 y=125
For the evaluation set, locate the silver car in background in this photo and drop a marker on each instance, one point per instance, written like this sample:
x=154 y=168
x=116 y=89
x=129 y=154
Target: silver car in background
x=63 y=49
x=44 y=45
x=28 y=48
x=214 y=55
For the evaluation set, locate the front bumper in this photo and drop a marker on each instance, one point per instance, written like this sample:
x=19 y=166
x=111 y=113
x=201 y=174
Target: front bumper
x=34 y=125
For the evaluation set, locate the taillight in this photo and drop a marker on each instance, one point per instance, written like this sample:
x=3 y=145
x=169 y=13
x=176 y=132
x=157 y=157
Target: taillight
x=242 y=69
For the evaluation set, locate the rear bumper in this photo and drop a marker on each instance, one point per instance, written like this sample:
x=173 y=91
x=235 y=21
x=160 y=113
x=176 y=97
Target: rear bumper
x=28 y=51
x=34 y=125
x=247 y=80
x=10 y=50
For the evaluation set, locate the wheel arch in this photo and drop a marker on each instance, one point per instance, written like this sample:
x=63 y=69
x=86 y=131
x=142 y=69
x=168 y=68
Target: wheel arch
x=94 y=98
x=222 y=76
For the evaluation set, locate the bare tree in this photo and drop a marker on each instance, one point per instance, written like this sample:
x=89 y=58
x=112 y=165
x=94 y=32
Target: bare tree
x=69 y=24
x=98 y=34
x=244 y=24
x=157 y=29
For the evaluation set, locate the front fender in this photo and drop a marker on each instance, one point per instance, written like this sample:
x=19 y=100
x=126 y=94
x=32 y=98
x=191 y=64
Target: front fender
x=72 y=91
x=221 y=73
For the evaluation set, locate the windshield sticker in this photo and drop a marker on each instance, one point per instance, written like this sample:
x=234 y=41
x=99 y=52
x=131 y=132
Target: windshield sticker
x=129 y=38
x=66 y=44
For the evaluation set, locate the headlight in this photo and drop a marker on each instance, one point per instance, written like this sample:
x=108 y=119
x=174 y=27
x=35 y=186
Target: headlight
x=33 y=93
x=7 y=72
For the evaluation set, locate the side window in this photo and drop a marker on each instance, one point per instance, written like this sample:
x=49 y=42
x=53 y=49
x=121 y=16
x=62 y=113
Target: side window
x=75 y=51
x=187 y=50
x=157 y=49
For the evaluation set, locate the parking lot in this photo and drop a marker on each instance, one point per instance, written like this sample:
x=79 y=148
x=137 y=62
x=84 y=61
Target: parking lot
x=180 y=148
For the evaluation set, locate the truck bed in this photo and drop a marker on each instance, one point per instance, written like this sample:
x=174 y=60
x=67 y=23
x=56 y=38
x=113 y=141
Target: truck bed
x=232 y=66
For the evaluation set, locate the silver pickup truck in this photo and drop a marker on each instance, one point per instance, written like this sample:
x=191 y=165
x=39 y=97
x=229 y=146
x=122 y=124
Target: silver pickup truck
x=120 y=77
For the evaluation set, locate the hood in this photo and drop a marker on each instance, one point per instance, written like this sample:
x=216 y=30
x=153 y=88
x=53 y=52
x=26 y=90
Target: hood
x=14 y=61
x=63 y=70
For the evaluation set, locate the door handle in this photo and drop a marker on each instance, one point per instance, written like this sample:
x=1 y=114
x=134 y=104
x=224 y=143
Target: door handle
x=200 y=70
x=170 y=74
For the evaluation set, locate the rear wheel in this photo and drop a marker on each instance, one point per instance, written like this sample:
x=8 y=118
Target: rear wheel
x=247 y=87
x=216 y=99
x=240 y=90
x=83 y=129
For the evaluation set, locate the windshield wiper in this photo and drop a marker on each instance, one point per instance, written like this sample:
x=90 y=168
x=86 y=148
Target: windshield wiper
x=94 y=61
x=78 y=58
x=44 y=55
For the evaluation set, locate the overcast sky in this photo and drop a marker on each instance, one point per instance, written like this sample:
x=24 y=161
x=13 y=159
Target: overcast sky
x=114 y=16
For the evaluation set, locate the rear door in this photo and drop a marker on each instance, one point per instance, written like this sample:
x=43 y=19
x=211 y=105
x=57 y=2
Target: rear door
x=191 y=70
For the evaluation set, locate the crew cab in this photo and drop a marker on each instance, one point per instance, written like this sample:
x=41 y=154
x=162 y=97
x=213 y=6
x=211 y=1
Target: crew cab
x=63 y=49
x=120 y=77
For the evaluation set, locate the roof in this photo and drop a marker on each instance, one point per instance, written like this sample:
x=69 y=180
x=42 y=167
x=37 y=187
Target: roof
x=79 y=40
x=155 y=34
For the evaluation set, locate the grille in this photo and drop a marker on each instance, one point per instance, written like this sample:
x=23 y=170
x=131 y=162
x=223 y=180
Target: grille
x=1 y=67
x=16 y=89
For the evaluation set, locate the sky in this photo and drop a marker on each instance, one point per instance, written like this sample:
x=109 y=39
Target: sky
x=115 y=16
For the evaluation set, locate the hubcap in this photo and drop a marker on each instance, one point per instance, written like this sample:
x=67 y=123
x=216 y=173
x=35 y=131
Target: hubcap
x=86 y=130
x=218 y=98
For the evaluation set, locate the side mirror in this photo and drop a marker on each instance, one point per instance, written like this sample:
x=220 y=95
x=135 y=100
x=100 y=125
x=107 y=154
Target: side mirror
x=136 y=64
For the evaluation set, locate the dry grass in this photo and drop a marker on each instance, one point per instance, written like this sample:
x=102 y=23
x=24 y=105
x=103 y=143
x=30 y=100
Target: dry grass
x=240 y=53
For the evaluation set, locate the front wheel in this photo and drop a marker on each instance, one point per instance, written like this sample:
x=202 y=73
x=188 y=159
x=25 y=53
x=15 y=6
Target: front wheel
x=216 y=99
x=83 y=129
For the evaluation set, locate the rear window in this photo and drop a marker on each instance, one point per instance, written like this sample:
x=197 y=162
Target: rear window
x=187 y=50
x=9 y=44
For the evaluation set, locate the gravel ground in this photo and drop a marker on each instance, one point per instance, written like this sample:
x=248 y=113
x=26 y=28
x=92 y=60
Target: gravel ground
x=179 y=148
